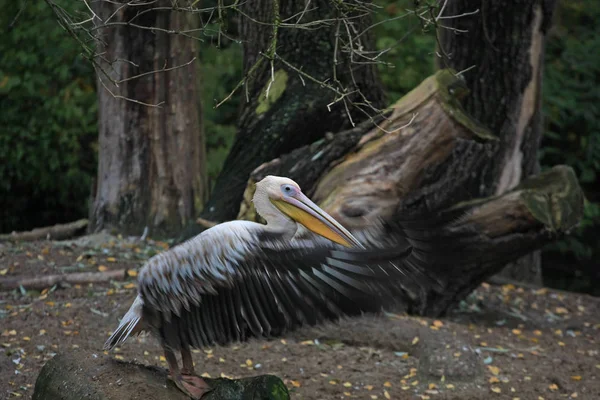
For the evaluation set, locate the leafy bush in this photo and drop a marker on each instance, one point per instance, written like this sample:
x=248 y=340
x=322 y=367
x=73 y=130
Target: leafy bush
x=220 y=71
x=571 y=95
x=47 y=119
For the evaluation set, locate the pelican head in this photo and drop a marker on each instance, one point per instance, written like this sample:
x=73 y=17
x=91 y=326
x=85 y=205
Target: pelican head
x=283 y=205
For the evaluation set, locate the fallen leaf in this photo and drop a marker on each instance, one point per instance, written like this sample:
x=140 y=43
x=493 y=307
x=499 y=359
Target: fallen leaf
x=494 y=379
x=576 y=377
x=332 y=382
x=3 y=271
x=295 y=383
x=516 y=331
x=129 y=286
x=347 y=384
x=369 y=387
x=386 y=394
x=415 y=340
x=553 y=387
x=496 y=389
x=494 y=370
x=111 y=259
x=102 y=268
x=561 y=310
x=387 y=384
x=132 y=273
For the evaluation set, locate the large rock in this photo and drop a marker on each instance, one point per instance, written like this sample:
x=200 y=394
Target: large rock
x=84 y=375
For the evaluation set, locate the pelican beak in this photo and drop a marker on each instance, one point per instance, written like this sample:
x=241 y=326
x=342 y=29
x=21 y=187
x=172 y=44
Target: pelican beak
x=302 y=210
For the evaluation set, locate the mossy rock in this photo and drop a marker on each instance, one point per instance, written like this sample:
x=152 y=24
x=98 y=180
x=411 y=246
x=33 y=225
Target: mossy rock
x=86 y=375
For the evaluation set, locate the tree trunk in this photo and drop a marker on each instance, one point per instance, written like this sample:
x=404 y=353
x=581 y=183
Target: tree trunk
x=296 y=112
x=504 y=43
x=151 y=168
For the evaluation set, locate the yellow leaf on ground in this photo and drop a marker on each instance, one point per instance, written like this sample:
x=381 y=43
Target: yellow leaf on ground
x=553 y=387
x=295 y=383
x=102 y=268
x=132 y=273
x=496 y=389
x=415 y=340
x=111 y=259
x=494 y=370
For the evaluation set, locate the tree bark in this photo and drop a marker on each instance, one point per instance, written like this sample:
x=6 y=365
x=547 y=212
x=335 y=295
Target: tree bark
x=296 y=111
x=151 y=158
x=504 y=43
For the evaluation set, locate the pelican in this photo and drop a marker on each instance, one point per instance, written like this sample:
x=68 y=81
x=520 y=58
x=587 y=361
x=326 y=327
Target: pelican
x=242 y=279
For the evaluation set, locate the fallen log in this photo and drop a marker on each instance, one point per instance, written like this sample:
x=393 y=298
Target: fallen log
x=55 y=232
x=81 y=278
x=85 y=375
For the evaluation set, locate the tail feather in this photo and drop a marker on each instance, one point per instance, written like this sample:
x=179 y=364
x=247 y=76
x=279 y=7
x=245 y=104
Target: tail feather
x=131 y=324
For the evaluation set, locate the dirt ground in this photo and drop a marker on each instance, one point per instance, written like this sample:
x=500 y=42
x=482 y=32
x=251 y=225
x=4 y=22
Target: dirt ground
x=503 y=342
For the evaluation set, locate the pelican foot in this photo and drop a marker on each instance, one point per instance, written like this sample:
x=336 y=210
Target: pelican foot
x=191 y=385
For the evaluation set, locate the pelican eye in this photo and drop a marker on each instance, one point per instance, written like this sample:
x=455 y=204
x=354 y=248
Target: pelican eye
x=288 y=190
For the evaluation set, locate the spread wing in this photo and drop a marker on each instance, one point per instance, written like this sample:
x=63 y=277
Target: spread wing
x=235 y=284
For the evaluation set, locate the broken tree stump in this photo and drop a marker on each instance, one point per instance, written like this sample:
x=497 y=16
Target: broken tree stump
x=84 y=375
x=427 y=157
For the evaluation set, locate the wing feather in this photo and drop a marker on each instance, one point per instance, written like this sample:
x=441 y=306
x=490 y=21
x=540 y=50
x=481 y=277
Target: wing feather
x=230 y=284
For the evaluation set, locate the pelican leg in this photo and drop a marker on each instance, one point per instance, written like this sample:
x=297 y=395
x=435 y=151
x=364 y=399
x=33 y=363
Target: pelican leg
x=188 y=362
x=191 y=385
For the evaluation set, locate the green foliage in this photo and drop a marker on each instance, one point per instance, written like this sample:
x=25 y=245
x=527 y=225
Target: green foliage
x=411 y=55
x=48 y=119
x=220 y=71
x=571 y=97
